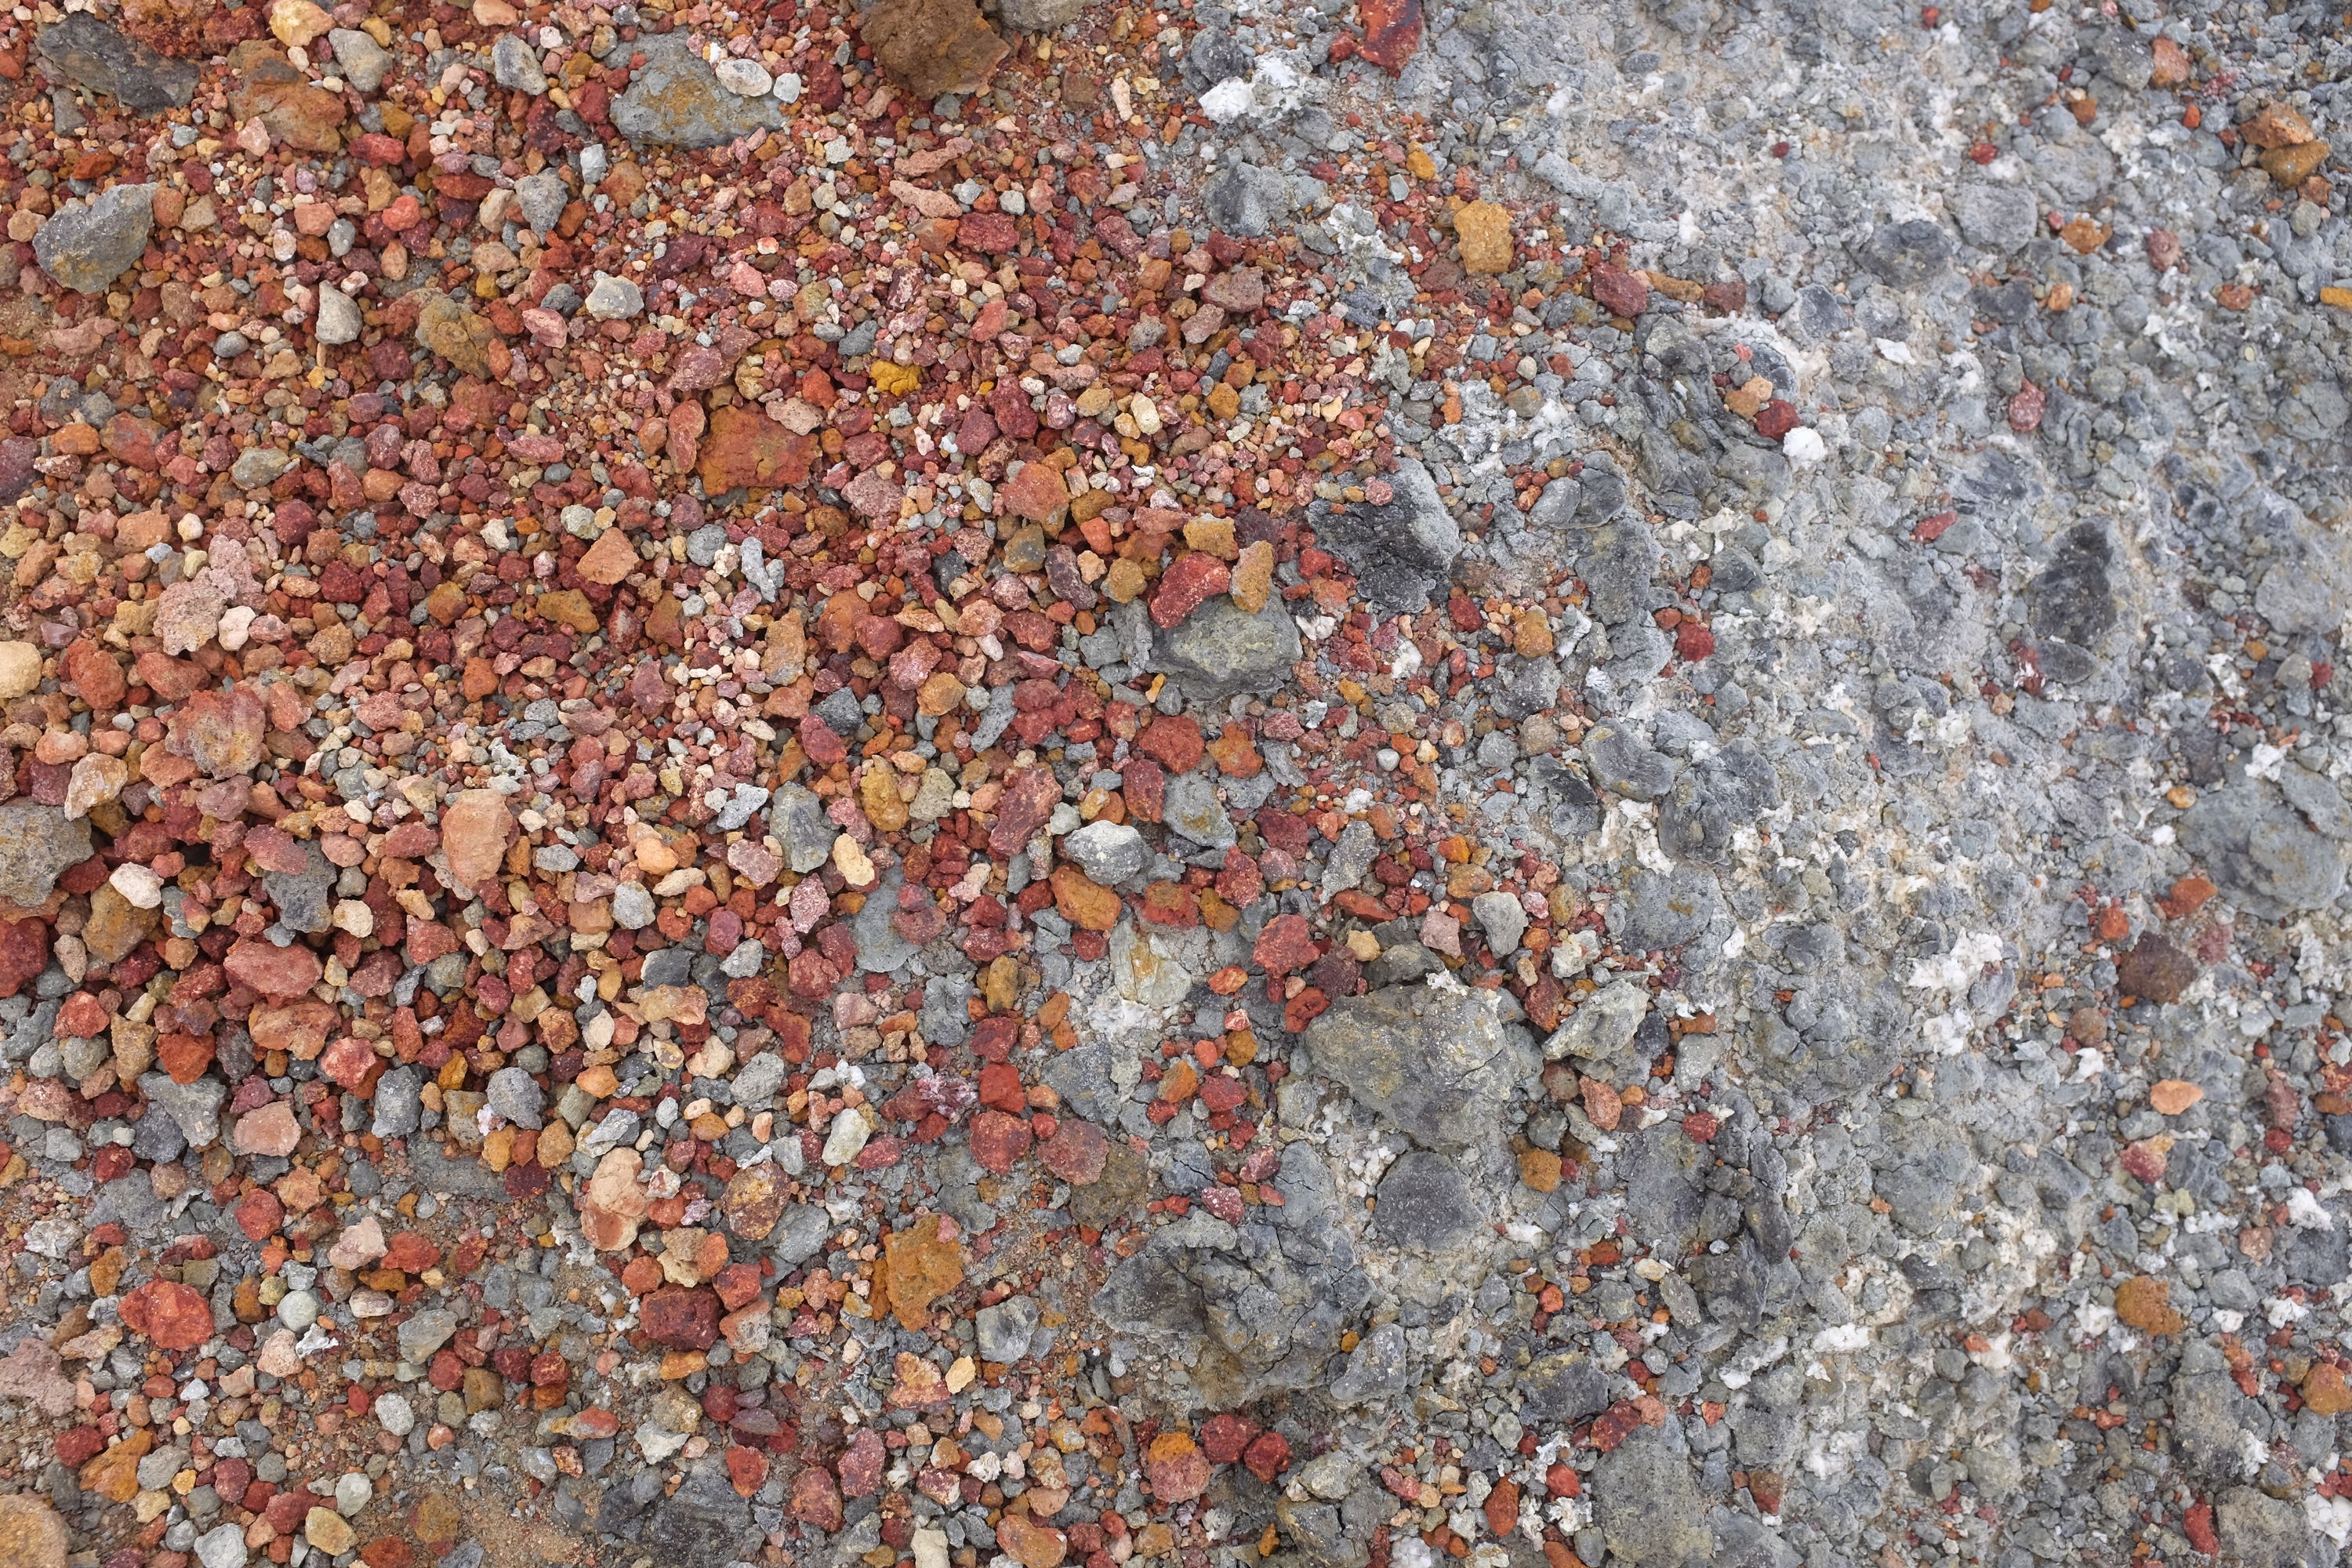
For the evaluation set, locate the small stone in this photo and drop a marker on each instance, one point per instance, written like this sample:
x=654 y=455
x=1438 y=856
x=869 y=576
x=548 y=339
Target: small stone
x=37 y=845
x=475 y=829
x=298 y=24
x=338 y=317
x=516 y=66
x=222 y=1547
x=1036 y=493
x=1503 y=919
x=920 y=1264
x=516 y=1096
x=746 y=79
x=2153 y=971
x=1108 y=852
x=2172 y=1095
x=169 y=1314
x=612 y=299
x=364 y=62
x=328 y=1531
x=1483 y=229
x=86 y=245
x=20 y=662
x=424 y=1332
x=1619 y=292
x=1006 y=1329
x=270 y=1131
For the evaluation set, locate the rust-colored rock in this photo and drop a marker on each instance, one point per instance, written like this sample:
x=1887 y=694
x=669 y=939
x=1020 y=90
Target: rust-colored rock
x=2146 y=1304
x=1392 y=31
x=745 y=449
x=919 y=1264
x=169 y=1313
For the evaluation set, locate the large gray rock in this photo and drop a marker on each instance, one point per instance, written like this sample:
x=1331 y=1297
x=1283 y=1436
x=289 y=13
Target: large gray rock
x=37 y=845
x=1438 y=1065
x=677 y=101
x=1649 y=1509
x=1426 y=1202
x=1220 y=650
x=87 y=53
x=1251 y=1311
x=2261 y=852
x=2263 y=1532
x=86 y=245
x=1997 y=218
x=1402 y=550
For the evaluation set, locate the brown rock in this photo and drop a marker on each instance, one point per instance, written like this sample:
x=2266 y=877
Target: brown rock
x=2169 y=64
x=752 y=1203
x=295 y=110
x=2276 y=125
x=1540 y=1170
x=475 y=829
x=1083 y=901
x=456 y=334
x=2153 y=971
x=2290 y=167
x=1254 y=576
x=815 y=1498
x=1032 y=1544
x=115 y=925
x=747 y=451
x=932 y=48
x=610 y=559
x=31 y=1534
x=1483 y=230
x=2324 y=1390
x=919 y=1264
x=682 y=1319
x=1391 y=32
x=114 y=1475
x=2172 y=1095
x=2146 y=1305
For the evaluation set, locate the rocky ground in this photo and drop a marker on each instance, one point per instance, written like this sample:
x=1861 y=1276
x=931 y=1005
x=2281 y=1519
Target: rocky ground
x=1305 y=784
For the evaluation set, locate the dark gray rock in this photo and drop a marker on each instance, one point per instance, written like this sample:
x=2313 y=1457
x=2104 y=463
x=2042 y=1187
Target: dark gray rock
x=1220 y=650
x=1402 y=551
x=88 y=53
x=1440 y=1066
x=89 y=244
x=1426 y=1202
